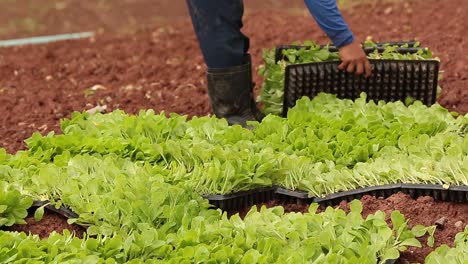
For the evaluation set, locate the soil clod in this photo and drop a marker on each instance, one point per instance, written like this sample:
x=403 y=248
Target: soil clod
x=441 y=222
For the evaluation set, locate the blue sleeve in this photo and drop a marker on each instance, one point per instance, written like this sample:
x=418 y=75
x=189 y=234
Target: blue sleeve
x=330 y=20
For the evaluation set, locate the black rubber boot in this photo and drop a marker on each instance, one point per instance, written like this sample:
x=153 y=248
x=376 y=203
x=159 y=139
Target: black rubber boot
x=231 y=94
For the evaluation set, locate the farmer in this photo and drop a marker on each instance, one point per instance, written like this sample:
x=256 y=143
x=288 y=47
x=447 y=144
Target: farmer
x=218 y=24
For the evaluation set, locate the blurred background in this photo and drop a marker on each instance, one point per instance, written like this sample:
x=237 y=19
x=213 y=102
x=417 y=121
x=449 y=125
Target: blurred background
x=23 y=18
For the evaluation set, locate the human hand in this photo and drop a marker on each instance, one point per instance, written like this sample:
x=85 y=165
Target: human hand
x=354 y=59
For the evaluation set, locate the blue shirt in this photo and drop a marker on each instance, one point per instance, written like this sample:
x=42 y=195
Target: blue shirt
x=330 y=20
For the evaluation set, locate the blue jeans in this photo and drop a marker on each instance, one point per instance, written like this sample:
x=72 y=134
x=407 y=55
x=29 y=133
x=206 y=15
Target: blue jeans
x=217 y=25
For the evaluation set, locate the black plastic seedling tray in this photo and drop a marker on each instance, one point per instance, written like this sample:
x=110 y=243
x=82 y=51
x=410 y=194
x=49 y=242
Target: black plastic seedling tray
x=391 y=80
x=457 y=194
x=410 y=43
x=293 y=197
x=380 y=48
x=63 y=211
x=279 y=50
x=378 y=191
x=238 y=200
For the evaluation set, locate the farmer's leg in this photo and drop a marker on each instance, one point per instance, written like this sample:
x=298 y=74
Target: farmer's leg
x=217 y=25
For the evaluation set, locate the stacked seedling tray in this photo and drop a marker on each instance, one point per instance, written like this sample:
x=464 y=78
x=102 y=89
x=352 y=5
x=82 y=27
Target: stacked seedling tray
x=391 y=80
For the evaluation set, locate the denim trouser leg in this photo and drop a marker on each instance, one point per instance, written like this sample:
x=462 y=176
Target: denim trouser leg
x=217 y=25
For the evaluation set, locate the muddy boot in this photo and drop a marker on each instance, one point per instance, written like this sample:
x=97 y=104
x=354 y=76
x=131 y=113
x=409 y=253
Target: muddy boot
x=231 y=94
